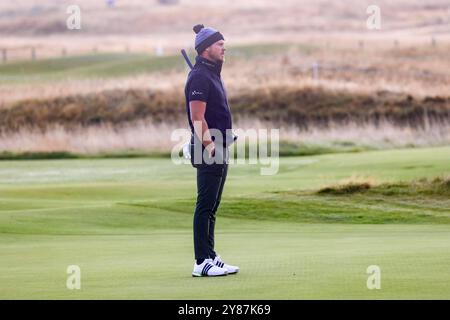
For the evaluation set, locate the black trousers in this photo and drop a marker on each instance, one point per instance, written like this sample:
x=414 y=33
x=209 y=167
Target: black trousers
x=210 y=182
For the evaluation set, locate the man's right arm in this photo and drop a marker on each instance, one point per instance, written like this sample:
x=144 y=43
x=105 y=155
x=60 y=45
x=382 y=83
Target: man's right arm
x=197 y=112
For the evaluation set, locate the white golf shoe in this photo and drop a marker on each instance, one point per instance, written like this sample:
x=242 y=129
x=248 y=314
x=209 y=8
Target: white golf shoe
x=208 y=269
x=231 y=269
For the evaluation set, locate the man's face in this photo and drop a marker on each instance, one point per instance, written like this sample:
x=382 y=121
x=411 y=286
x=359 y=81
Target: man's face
x=216 y=51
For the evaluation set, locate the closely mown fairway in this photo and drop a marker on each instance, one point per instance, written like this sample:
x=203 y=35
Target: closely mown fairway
x=113 y=65
x=127 y=224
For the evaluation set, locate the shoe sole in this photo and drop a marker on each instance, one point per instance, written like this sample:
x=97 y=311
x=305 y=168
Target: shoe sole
x=197 y=275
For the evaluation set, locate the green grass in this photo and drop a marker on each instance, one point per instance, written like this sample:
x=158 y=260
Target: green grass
x=286 y=149
x=111 y=65
x=6 y=155
x=102 y=65
x=127 y=224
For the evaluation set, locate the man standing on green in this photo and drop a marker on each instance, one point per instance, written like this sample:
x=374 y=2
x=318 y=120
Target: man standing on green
x=210 y=122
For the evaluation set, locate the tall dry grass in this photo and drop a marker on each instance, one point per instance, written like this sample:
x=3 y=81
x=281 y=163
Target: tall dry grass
x=236 y=17
x=143 y=25
x=150 y=137
x=139 y=136
x=419 y=71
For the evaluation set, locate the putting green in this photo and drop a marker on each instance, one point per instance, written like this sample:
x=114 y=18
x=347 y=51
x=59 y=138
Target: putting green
x=127 y=224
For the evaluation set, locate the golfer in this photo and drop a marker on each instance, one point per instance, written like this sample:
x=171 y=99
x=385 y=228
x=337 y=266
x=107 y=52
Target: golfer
x=210 y=122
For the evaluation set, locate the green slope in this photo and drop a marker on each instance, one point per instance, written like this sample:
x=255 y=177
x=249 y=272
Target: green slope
x=127 y=224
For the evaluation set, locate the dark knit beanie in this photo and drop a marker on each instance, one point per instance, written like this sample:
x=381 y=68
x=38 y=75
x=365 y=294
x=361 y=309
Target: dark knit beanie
x=205 y=37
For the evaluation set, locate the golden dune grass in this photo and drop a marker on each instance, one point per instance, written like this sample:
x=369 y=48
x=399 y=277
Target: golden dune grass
x=332 y=28
x=419 y=71
x=146 y=136
x=142 y=25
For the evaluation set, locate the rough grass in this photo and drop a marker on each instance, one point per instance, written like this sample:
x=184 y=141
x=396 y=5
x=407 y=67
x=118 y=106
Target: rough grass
x=419 y=71
x=421 y=201
x=144 y=138
x=281 y=105
x=136 y=17
x=439 y=186
x=346 y=189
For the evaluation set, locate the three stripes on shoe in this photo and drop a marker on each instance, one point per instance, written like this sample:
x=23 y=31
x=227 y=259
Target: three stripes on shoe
x=206 y=268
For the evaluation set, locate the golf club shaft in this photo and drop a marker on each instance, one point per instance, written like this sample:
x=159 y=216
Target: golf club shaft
x=186 y=58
